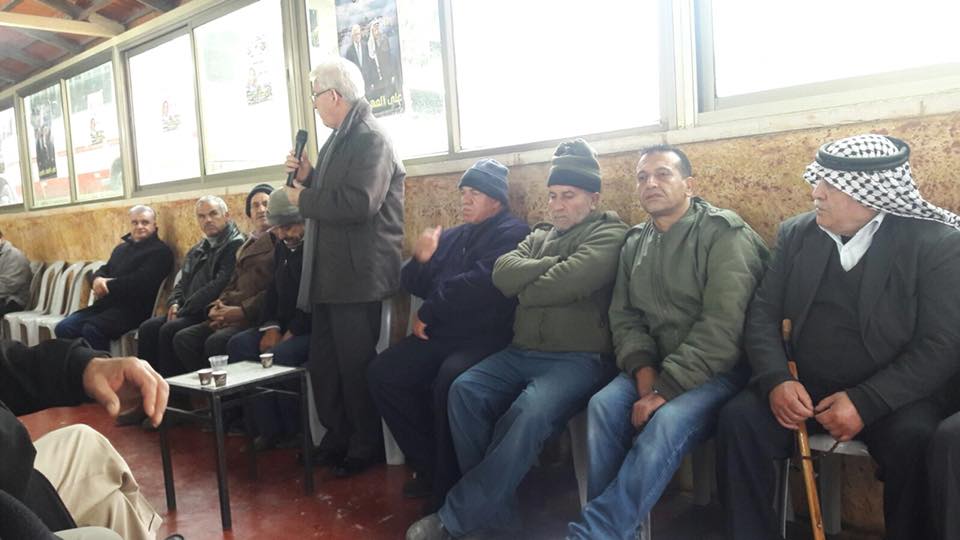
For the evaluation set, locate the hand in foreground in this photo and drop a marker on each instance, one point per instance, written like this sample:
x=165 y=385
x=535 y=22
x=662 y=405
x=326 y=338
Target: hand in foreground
x=644 y=408
x=426 y=244
x=172 y=312
x=117 y=383
x=790 y=404
x=419 y=328
x=839 y=416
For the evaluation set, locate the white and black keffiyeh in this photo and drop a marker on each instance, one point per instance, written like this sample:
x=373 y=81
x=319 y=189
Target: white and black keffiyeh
x=873 y=169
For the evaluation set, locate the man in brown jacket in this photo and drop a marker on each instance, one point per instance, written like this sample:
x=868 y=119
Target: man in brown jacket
x=238 y=306
x=353 y=202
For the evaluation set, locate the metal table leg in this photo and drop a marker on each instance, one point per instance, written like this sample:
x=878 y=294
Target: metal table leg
x=307 y=439
x=167 y=468
x=216 y=412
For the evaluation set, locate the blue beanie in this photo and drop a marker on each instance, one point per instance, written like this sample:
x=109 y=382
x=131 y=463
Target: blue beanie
x=489 y=177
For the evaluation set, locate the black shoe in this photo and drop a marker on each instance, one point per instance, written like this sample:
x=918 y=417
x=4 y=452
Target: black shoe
x=418 y=487
x=261 y=443
x=351 y=466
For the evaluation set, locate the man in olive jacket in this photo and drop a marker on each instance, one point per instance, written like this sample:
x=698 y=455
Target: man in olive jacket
x=684 y=281
x=125 y=287
x=871 y=283
x=505 y=407
x=353 y=202
x=205 y=272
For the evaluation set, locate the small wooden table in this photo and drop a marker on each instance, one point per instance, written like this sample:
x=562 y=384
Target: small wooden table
x=245 y=380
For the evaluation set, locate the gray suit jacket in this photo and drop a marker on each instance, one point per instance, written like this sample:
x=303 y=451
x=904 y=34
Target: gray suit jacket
x=354 y=209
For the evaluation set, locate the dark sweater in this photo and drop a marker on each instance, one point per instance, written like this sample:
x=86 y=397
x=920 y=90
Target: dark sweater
x=460 y=300
x=280 y=304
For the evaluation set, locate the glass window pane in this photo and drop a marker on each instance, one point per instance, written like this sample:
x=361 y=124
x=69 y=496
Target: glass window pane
x=243 y=83
x=396 y=45
x=47 y=143
x=571 y=68
x=95 y=134
x=164 y=113
x=11 y=187
x=766 y=45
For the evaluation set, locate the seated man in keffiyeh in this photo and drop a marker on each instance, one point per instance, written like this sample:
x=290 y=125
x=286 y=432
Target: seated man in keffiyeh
x=871 y=282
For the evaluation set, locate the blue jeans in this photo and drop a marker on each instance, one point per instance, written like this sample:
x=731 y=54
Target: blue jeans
x=271 y=416
x=628 y=471
x=80 y=324
x=501 y=411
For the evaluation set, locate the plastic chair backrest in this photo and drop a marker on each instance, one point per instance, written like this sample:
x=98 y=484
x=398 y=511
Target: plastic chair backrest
x=49 y=277
x=415 y=303
x=36 y=270
x=61 y=291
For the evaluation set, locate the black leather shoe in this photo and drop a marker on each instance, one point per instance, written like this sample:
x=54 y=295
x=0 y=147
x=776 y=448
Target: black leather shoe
x=418 y=487
x=351 y=466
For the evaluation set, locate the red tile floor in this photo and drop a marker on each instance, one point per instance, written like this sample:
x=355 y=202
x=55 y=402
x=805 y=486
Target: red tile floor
x=368 y=506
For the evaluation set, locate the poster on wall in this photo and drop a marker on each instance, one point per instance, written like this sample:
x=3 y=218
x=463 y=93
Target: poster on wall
x=369 y=37
x=41 y=120
x=259 y=88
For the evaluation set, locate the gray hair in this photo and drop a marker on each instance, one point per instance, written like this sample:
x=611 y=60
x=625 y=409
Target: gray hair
x=340 y=74
x=213 y=200
x=142 y=208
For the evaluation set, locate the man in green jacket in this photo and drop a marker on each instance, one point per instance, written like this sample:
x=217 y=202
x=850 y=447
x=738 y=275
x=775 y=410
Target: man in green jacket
x=503 y=409
x=683 y=284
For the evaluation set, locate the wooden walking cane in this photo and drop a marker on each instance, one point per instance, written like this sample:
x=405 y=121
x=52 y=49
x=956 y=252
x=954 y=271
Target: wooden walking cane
x=803 y=441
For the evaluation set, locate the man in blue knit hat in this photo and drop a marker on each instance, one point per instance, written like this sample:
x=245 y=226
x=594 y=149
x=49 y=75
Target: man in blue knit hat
x=462 y=320
x=505 y=407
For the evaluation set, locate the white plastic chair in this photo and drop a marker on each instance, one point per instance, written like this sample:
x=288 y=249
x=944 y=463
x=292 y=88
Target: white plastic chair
x=81 y=285
x=829 y=480
x=390 y=447
x=11 y=321
x=29 y=330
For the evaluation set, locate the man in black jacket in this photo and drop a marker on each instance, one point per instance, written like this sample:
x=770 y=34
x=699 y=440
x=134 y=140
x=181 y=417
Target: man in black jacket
x=94 y=484
x=125 y=287
x=871 y=283
x=463 y=319
x=205 y=272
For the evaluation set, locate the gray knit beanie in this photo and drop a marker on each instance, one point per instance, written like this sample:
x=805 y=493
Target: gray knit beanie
x=280 y=211
x=489 y=177
x=575 y=164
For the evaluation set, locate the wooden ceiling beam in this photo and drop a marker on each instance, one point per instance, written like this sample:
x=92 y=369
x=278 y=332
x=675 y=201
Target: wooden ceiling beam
x=68 y=9
x=24 y=58
x=53 y=24
x=93 y=8
x=159 y=5
x=52 y=39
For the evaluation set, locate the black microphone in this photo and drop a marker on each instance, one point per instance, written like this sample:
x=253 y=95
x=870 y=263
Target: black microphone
x=297 y=152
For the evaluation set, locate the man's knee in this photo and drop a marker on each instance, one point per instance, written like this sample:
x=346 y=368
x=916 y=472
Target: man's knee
x=88 y=533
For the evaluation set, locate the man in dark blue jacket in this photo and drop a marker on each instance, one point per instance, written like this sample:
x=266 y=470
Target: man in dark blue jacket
x=463 y=319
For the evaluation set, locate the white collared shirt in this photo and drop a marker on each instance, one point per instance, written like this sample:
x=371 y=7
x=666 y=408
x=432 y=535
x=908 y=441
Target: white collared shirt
x=856 y=247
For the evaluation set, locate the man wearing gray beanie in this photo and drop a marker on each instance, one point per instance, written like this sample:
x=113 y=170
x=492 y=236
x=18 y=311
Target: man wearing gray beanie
x=504 y=408
x=463 y=319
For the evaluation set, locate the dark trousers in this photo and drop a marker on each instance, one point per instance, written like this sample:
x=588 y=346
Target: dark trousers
x=343 y=342
x=410 y=382
x=195 y=344
x=749 y=439
x=83 y=324
x=944 y=479
x=271 y=416
x=155 y=343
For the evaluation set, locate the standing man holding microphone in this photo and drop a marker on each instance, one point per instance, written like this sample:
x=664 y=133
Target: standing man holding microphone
x=353 y=204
